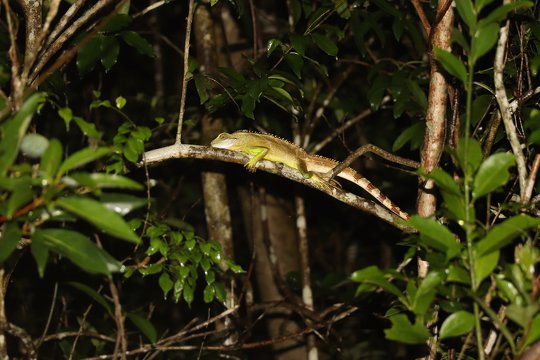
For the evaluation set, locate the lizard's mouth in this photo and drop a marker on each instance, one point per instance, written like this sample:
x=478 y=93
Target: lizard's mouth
x=224 y=144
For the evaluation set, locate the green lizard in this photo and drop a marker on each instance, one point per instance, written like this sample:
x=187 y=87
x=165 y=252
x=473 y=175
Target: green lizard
x=271 y=148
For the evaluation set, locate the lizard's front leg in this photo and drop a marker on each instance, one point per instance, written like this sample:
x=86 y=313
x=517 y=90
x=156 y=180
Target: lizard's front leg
x=258 y=152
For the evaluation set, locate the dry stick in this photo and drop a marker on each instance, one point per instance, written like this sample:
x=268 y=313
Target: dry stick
x=53 y=48
x=187 y=41
x=177 y=151
x=532 y=179
x=423 y=18
x=67 y=55
x=17 y=86
x=150 y=7
x=121 y=340
x=49 y=318
x=81 y=326
x=504 y=107
x=376 y=150
x=307 y=292
x=29 y=351
x=64 y=21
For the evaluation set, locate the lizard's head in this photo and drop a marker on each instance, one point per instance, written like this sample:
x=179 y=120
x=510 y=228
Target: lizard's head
x=226 y=141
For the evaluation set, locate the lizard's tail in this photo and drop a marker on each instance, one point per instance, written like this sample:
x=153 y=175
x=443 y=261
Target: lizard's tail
x=353 y=176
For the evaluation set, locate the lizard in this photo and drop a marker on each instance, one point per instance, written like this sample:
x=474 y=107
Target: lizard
x=318 y=168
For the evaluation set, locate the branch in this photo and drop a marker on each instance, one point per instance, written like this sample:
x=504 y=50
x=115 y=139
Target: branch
x=181 y=151
x=506 y=112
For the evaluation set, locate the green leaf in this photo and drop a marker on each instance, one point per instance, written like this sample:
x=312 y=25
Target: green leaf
x=50 y=161
x=492 y=174
x=118 y=22
x=109 y=49
x=143 y=324
x=403 y=331
x=436 y=235
x=272 y=45
x=458 y=274
x=451 y=64
x=165 y=283
x=104 y=219
x=10 y=234
x=41 y=255
x=77 y=248
x=296 y=63
x=34 y=145
x=457 y=324
x=484 y=266
x=67 y=115
x=105 y=181
x=120 y=102
x=209 y=293
x=13 y=130
x=138 y=42
x=444 y=181
x=188 y=293
x=88 y=129
x=413 y=135
x=466 y=12
x=483 y=40
x=201 y=85
x=325 y=44
x=521 y=315
x=500 y=12
x=88 y=55
x=299 y=42
x=20 y=196
x=373 y=276
x=81 y=158
x=474 y=156
x=534 y=331
x=97 y=297
x=503 y=234
x=426 y=292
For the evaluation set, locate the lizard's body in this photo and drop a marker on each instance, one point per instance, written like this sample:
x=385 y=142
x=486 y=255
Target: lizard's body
x=317 y=168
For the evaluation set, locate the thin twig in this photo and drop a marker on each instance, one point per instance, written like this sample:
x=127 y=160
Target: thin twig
x=121 y=340
x=422 y=15
x=532 y=179
x=187 y=41
x=504 y=107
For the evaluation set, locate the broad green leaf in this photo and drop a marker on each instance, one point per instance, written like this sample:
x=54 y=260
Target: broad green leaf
x=492 y=174
x=444 y=181
x=500 y=12
x=457 y=324
x=484 y=266
x=527 y=257
x=272 y=45
x=248 y=106
x=88 y=55
x=403 y=331
x=143 y=324
x=188 y=293
x=435 y=235
x=13 y=130
x=426 y=293
x=97 y=297
x=372 y=275
x=21 y=195
x=34 y=145
x=521 y=315
x=87 y=128
x=413 y=135
x=81 y=158
x=138 y=42
x=209 y=293
x=451 y=64
x=534 y=331
x=50 y=161
x=507 y=290
x=165 y=283
x=109 y=49
x=41 y=255
x=122 y=204
x=474 y=155
x=466 y=12
x=10 y=234
x=117 y=23
x=67 y=115
x=105 y=181
x=458 y=274
x=480 y=4
x=325 y=44
x=120 y=102
x=483 y=40
x=201 y=85
x=296 y=63
x=342 y=8
x=299 y=42
x=502 y=234
x=96 y=213
x=77 y=248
